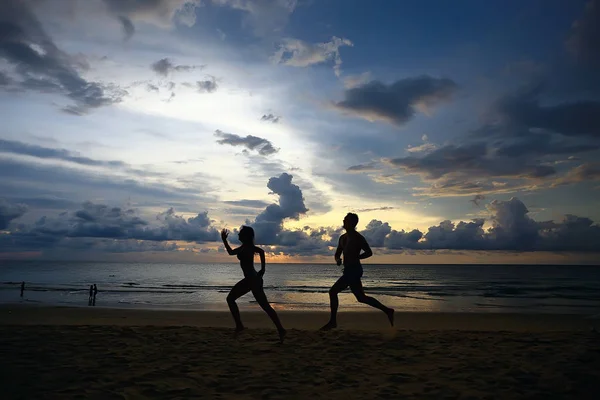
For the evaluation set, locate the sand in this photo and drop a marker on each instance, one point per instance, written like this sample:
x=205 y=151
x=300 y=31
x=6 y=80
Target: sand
x=130 y=354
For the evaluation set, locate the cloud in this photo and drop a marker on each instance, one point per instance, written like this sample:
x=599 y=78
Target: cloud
x=511 y=229
x=11 y=147
x=207 y=86
x=128 y=28
x=369 y=167
x=397 y=240
x=28 y=178
x=584 y=40
x=160 y=13
x=471 y=159
x=263 y=146
x=477 y=199
x=376 y=232
x=423 y=148
x=94 y=220
x=270 y=118
x=247 y=203
x=265 y=17
x=398 y=102
x=42 y=66
x=523 y=110
x=297 y=53
x=385 y=208
x=536 y=144
x=9 y=212
x=269 y=223
x=165 y=66
x=5 y=80
x=581 y=173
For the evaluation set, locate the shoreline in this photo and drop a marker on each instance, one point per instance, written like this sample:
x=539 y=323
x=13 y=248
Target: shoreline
x=302 y=320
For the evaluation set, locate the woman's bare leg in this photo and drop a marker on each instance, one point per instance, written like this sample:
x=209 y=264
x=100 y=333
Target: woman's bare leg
x=240 y=289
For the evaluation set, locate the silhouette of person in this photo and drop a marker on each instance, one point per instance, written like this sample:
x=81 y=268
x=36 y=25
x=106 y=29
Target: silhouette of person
x=253 y=281
x=350 y=245
x=22 y=288
x=91 y=295
x=95 y=293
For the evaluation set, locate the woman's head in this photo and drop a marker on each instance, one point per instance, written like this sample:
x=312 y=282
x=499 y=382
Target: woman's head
x=246 y=235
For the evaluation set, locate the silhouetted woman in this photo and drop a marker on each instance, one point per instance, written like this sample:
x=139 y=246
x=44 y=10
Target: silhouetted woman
x=252 y=279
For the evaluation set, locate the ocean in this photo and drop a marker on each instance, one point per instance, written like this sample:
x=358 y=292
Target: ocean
x=424 y=288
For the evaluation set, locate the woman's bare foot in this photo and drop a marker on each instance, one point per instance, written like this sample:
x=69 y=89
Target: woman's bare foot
x=282 y=333
x=328 y=326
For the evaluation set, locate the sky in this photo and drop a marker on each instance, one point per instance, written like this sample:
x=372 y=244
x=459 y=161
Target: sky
x=459 y=132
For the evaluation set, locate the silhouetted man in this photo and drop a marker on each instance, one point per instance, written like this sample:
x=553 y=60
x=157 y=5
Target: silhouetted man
x=350 y=245
x=22 y=288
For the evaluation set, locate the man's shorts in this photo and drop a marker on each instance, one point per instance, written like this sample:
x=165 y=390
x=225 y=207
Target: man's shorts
x=353 y=272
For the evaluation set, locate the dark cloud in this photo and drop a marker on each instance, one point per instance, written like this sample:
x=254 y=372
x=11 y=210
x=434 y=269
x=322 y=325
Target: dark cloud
x=370 y=167
x=261 y=145
x=398 y=102
x=24 y=178
x=535 y=144
x=247 y=203
x=5 y=79
x=477 y=199
x=128 y=28
x=9 y=212
x=270 y=118
x=397 y=240
x=472 y=159
x=42 y=66
x=524 y=111
x=207 y=86
x=269 y=223
x=151 y=88
x=376 y=232
x=511 y=229
x=584 y=40
x=464 y=235
x=165 y=66
x=15 y=147
x=101 y=221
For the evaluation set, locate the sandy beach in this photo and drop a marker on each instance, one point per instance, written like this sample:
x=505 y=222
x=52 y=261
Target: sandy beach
x=51 y=352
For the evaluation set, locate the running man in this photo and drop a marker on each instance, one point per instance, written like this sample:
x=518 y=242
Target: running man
x=350 y=245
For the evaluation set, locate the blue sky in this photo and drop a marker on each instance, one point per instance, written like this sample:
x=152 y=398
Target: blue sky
x=138 y=129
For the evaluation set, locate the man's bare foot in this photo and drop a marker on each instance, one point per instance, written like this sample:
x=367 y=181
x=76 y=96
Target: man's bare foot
x=328 y=326
x=390 y=314
x=239 y=329
x=282 y=333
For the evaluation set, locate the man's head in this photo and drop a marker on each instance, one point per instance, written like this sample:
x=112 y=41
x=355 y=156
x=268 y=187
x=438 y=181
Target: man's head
x=350 y=221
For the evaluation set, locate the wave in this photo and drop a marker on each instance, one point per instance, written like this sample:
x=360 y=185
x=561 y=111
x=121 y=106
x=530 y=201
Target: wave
x=411 y=290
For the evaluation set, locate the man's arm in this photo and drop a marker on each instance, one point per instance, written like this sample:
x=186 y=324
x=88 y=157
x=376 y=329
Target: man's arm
x=367 y=252
x=338 y=252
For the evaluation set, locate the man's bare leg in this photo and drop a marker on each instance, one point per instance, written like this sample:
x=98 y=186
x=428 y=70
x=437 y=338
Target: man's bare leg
x=337 y=287
x=359 y=293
